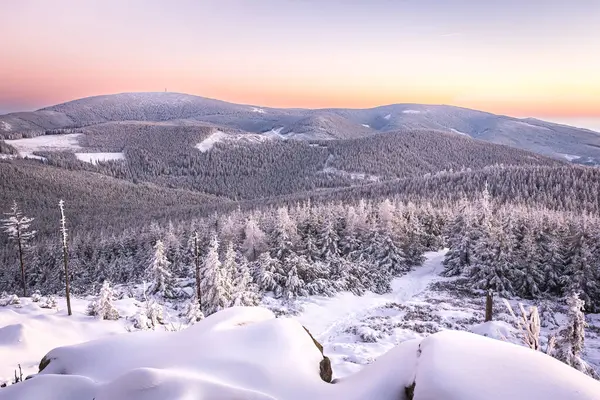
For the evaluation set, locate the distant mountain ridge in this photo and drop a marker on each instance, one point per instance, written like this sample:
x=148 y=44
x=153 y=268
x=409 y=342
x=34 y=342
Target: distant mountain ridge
x=560 y=141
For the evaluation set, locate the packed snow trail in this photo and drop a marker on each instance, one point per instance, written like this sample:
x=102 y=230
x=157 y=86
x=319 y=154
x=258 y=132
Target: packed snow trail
x=323 y=315
x=331 y=320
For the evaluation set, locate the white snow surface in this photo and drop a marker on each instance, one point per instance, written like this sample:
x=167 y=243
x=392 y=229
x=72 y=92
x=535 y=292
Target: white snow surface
x=247 y=353
x=26 y=147
x=388 y=117
x=258 y=110
x=366 y=126
x=571 y=157
x=459 y=132
x=210 y=141
x=411 y=112
x=329 y=318
x=95 y=158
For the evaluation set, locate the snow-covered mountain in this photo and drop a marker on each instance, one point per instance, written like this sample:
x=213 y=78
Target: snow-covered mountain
x=574 y=144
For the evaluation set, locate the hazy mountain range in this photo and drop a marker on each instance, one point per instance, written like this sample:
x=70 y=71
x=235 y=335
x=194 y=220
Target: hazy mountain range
x=555 y=140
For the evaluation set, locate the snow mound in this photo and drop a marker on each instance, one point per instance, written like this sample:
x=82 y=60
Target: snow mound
x=210 y=141
x=237 y=350
x=455 y=365
x=494 y=329
x=12 y=335
x=95 y=158
x=26 y=147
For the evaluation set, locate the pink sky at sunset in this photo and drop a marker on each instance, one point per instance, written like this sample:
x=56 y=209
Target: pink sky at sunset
x=535 y=58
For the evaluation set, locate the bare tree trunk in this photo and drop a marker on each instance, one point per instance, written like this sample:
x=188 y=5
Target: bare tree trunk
x=65 y=255
x=21 y=261
x=197 y=262
x=489 y=304
x=67 y=288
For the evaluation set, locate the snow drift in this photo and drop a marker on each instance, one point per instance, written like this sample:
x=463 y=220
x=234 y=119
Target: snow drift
x=247 y=353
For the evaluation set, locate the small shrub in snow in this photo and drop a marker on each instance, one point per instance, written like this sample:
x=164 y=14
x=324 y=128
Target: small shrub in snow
x=150 y=317
x=49 y=302
x=192 y=312
x=10 y=300
x=103 y=306
x=36 y=297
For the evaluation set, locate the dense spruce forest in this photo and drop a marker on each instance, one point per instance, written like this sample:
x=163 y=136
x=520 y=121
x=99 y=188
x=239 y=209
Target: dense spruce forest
x=323 y=248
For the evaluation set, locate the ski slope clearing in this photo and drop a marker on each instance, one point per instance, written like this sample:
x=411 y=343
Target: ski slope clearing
x=95 y=158
x=247 y=353
x=210 y=141
x=26 y=147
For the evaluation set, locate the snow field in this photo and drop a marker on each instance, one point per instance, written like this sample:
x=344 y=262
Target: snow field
x=95 y=158
x=26 y=147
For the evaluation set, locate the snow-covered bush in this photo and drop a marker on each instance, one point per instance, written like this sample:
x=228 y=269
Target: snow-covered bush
x=150 y=317
x=103 y=306
x=192 y=312
x=48 y=302
x=9 y=300
x=36 y=296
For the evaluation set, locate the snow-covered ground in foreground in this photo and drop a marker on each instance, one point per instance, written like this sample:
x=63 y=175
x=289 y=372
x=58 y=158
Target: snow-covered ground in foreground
x=248 y=353
x=26 y=147
x=354 y=330
x=95 y=158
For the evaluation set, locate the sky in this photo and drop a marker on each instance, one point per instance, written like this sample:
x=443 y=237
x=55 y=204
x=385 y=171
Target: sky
x=521 y=58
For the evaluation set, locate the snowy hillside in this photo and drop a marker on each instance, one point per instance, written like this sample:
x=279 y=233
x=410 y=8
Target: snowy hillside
x=530 y=134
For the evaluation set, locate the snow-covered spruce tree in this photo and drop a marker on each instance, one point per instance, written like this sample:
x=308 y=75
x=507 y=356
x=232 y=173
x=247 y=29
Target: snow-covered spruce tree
x=192 y=312
x=215 y=295
x=581 y=275
x=570 y=340
x=65 y=251
x=16 y=225
x=245 y=292
x=410 y=228
x=294 y=286
x=159 y=272
x=328 y=239
x=103 y=306
x=268 y=274
x=529 y=276
x=493 y=266
x=284 y=235
x=228 y=269
x=460 y=241
x=254 y=239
